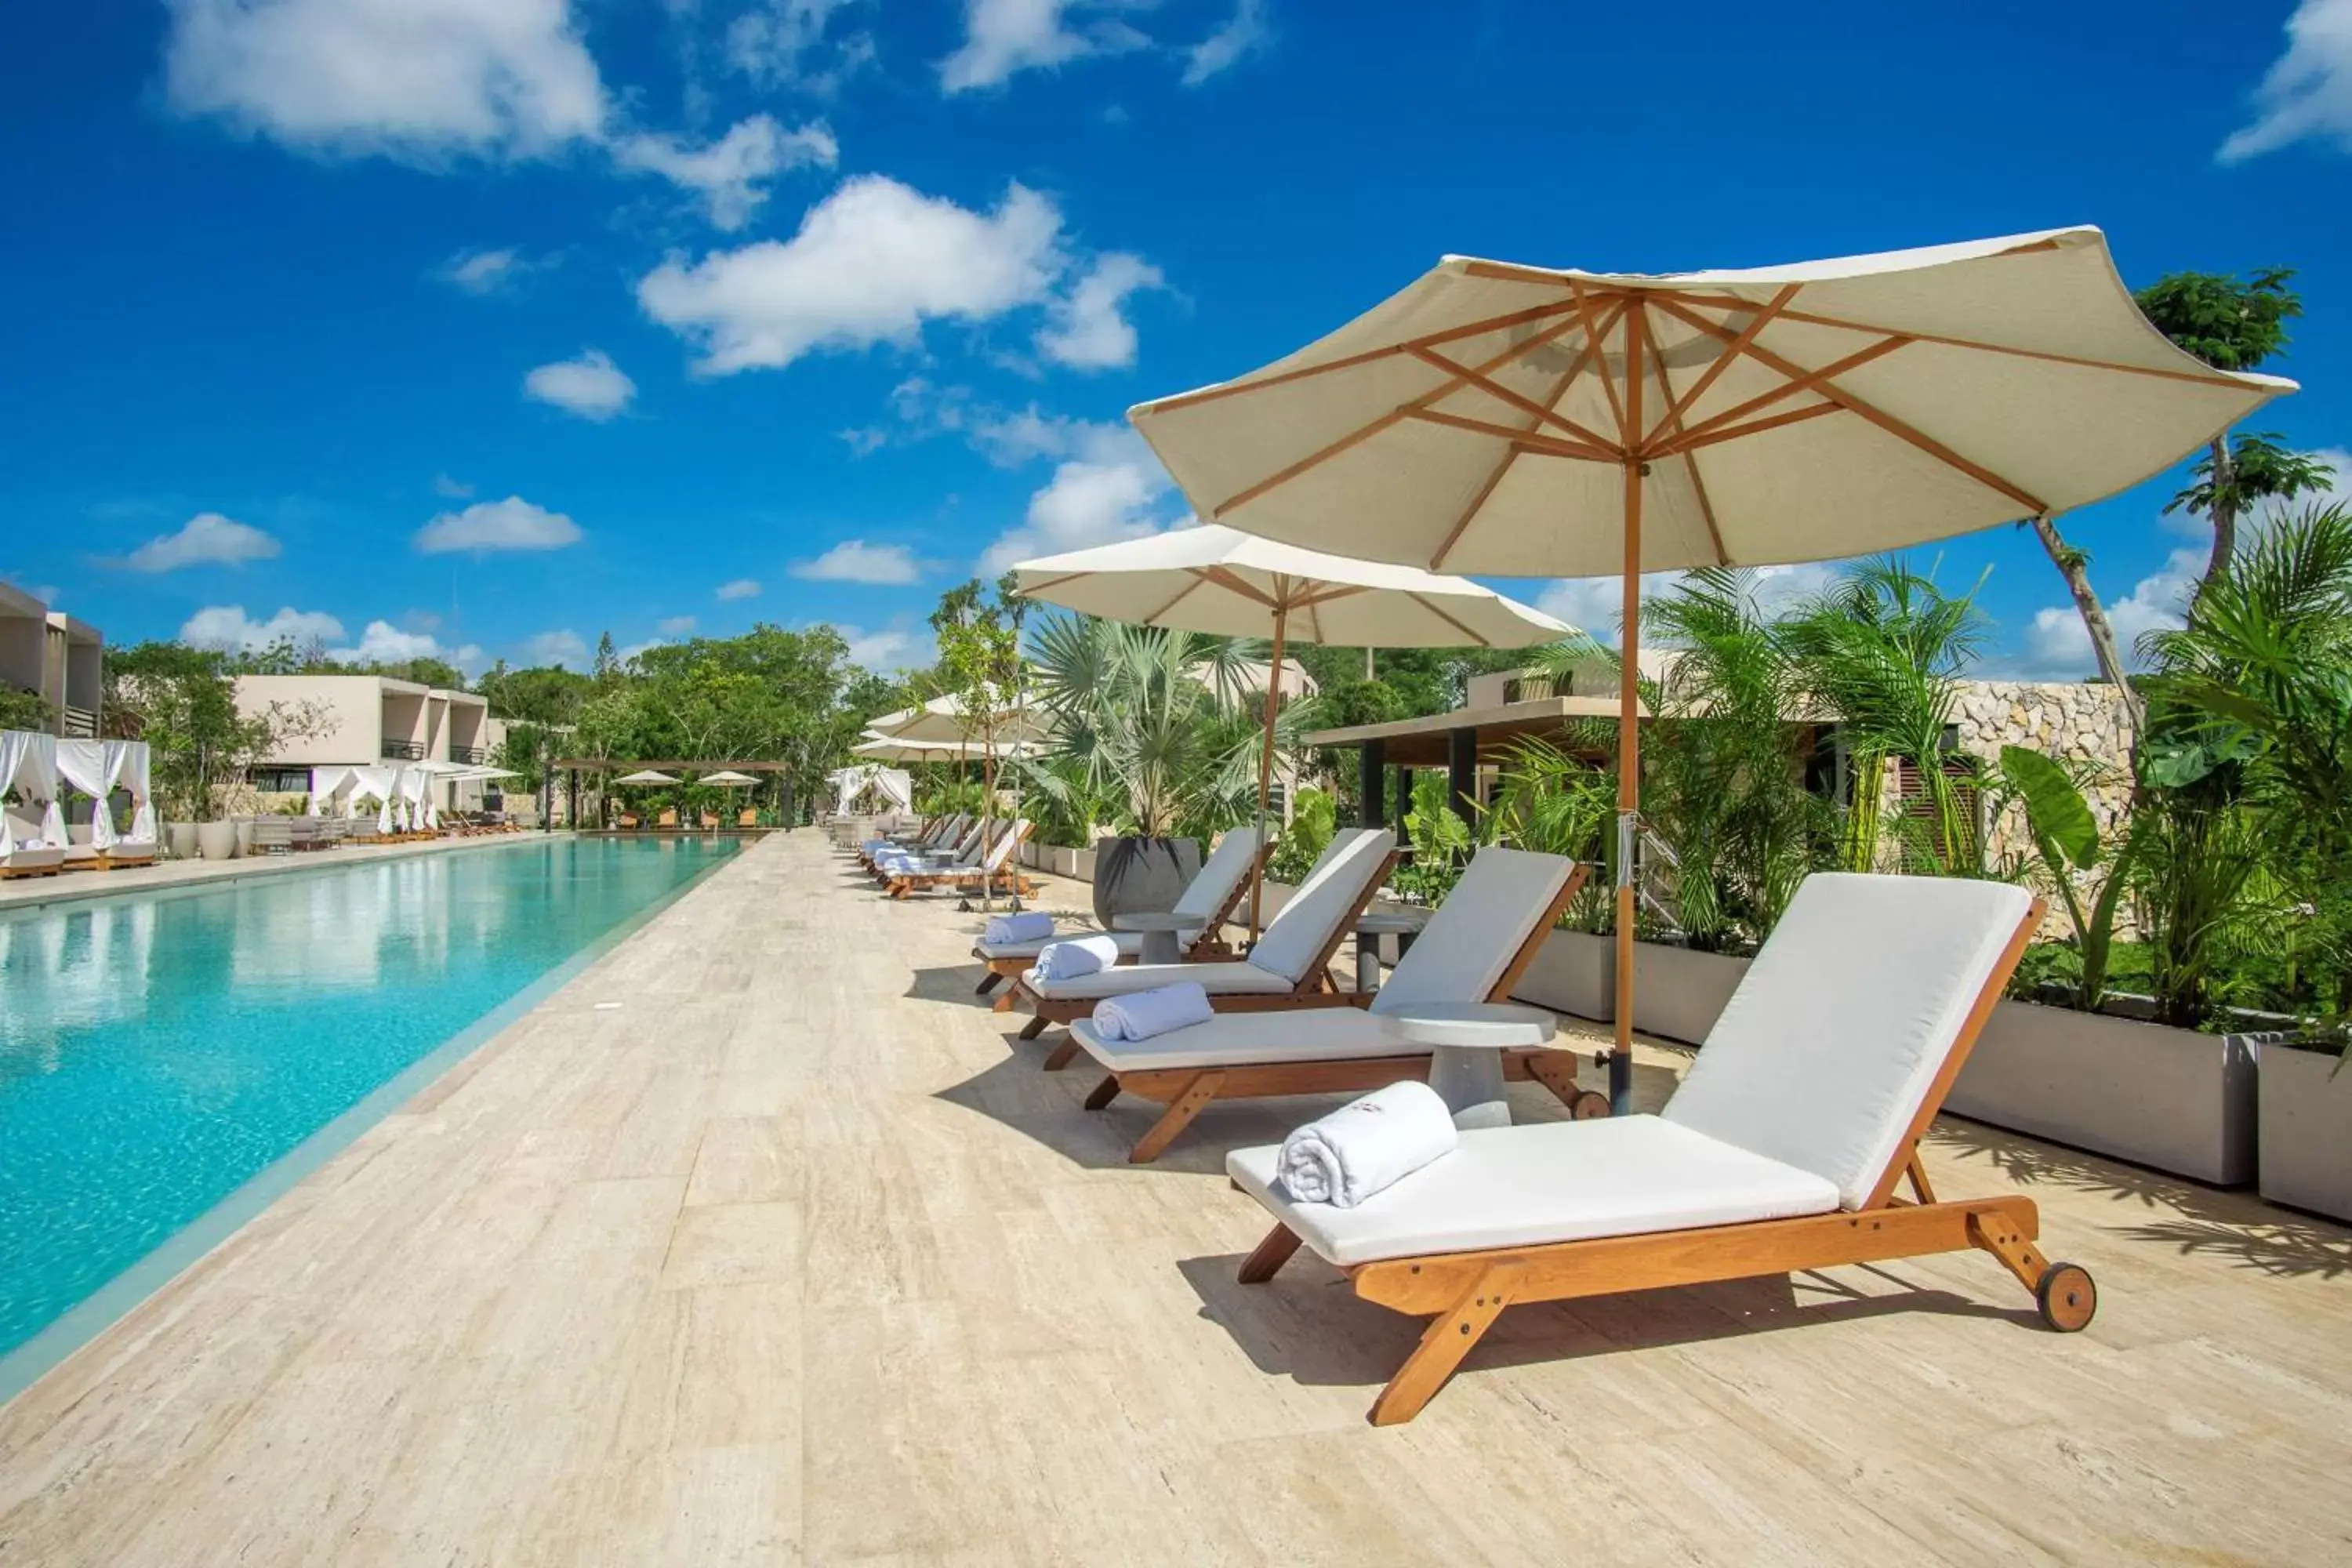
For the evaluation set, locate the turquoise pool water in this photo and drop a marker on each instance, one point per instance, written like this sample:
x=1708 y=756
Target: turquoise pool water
x=159 y=1052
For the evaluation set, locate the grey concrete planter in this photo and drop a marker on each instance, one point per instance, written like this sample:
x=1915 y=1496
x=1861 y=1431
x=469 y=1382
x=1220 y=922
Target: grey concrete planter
x=1572 y=973
x=2306 y=1131
x=1677 y=994
x=2173 y=1098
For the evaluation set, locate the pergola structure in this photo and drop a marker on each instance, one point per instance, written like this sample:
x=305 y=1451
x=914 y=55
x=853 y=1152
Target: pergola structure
x=575 y=766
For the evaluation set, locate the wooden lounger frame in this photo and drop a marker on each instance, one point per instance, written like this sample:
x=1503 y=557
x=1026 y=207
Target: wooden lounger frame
x=1188 y=1091
x=1314 y=988
x=1009 y=871
x=1206 y=948
x=1465 y=1292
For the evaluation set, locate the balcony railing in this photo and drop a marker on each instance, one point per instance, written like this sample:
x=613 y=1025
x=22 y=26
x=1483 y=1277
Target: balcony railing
x=403 y=751
x=472 y=756
x=79 y=725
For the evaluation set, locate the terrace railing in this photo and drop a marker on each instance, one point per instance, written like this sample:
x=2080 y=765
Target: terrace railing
x=472 y=756
x=403 y=751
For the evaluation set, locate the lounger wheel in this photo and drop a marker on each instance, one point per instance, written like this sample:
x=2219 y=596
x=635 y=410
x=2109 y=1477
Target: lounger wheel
x=1589 y=1106
x=2067 y=1297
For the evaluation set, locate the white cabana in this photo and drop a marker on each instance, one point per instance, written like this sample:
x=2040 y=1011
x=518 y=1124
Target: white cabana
x=94 y=767
x=893 y=787
x=375 y=785
x=33 y=833
x=329 y=786
x=135 y=775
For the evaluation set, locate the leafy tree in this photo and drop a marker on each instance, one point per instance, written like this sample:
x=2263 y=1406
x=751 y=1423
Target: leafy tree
x=25 y=710
x=981 y=665
x=2257 y=469
x=182 y=702
x=544 y=694
x=2231 y=323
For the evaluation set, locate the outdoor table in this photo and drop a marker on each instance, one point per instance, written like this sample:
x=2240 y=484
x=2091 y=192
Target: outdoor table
x=1373 y=925
x=1465 y=1066
x=1162 y=933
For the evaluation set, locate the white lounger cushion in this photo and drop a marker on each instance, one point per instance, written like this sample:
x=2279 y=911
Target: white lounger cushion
x=1330 y=894
x=1217 y=979
x=1131 y=943
x=1223 y=872
x=1312 y=1034
x=1475 y=934
x=1560 y=1181
x=1826 y=1050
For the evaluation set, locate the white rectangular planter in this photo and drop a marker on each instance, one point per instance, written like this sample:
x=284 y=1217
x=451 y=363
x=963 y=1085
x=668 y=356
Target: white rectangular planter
x=1573 y=972
x=2173 y=1098
x=1677 y=994
x=2306 y=1131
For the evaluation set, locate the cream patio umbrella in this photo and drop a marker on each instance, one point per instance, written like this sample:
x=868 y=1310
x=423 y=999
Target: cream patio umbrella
x=1228 y=584
x=890 y=748
x=1539 y=421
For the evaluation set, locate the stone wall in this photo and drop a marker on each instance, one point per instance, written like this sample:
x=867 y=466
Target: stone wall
x=2072 y=722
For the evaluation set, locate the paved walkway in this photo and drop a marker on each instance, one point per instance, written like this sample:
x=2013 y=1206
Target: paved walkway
x=790 y=1256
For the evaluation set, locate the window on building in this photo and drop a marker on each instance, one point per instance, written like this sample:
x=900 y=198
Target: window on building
x=281 y=780
x=1918 y=802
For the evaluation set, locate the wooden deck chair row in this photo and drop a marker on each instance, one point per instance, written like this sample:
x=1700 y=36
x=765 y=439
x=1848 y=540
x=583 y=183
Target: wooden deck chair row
x=1474 y=949
x=937 y=833
x=1290 y=966
x=960 y=837
x=995 y=868
x=1213 y=894
x=1780 y=1152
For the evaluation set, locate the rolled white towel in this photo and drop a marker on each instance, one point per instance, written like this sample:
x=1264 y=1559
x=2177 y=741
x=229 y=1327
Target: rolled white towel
x=1032 y=925
x=1367 y=1145
x=1075 y=955
x=1140 y=1014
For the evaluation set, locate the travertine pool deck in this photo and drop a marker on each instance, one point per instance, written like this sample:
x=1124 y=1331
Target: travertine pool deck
x=791 y=1258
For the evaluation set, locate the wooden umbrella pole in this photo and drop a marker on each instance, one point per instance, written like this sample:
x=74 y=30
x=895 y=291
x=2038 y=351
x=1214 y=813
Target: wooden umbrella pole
x=1629 y=728
x=1265 y=757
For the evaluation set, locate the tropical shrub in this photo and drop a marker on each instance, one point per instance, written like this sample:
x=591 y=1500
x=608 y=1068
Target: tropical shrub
x=1314 y=818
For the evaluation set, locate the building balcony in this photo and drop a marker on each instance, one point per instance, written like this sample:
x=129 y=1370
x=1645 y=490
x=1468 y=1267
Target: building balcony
x=403 y=750
x=472 y=756
x=77 y=724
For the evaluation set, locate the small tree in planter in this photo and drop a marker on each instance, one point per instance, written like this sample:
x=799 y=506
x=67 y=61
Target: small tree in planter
x=182 y=701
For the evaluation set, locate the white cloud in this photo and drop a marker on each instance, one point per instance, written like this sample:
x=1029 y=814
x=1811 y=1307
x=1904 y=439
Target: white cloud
x=1100 y=498
x=892 y=649
x=1003 y=36
x=489 y=271
x=740 y=588
x=418 y=80
x=513 y=523
x=870 y=264
x=564 y=647
x=592 y=386
x=2058 y=646
x=207 y=539
x=1595 y=605
x=782 y=44
x=383 y=643
x=1244 y=35
x=854 y=561
x=2307 y=92
x=443 y=485
x=628 y=655
x=731 y=173
x=1087 y=329
x=230 y=629
x=674 y=626
x=1007 y=437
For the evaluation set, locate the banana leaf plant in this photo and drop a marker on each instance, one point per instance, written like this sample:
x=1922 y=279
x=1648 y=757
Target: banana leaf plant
x=2066 y=840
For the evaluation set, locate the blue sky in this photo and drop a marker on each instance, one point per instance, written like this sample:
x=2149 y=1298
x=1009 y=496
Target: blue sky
x=480 y=327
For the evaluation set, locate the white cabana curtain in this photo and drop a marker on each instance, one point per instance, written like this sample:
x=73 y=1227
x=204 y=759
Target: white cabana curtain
x=90 y=766
x=328 y=785
x=414 y=785
x=135 y=773
x=28 y=766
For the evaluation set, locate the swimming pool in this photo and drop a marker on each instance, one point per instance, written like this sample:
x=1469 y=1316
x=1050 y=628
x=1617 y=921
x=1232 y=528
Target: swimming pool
x=160 y=1053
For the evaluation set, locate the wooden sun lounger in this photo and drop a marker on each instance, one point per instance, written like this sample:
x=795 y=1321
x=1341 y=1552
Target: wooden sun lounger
x=1208 y=947
x=998 y=866
x=1313 y=988
x=1464 y=1292
x=1187 y=1092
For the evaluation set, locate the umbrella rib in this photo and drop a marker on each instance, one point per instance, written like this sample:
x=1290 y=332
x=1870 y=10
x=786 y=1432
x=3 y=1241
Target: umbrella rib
x=1595 y=340
x=1942 y=339
x=1809 y=382
x=1681 y=405
x=1225 y=578
x=1878 y=417
x=1682 y=448
x=1423 y=602
x=1349 y=362
x=1153 y=619
x=1524 y=404
x=1673 y=417
x=1529 y=439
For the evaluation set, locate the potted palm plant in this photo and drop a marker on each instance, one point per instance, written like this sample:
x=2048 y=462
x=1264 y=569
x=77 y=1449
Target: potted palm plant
x=1148 y=726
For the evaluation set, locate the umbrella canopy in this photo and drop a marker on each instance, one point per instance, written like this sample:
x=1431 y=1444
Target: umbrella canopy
x=726 y=777
x=1217 y=580
x=943 y=718
x=891 y=749
x=1542 y=421
x=646 y=776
